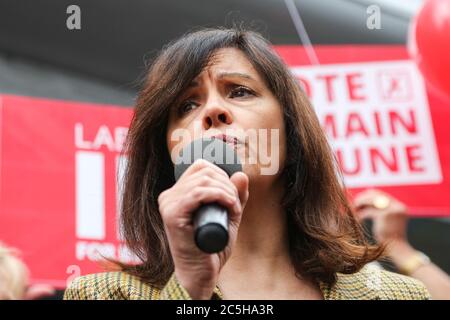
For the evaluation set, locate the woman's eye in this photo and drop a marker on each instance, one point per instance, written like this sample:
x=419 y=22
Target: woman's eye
x=241 y=92
x=187 y=106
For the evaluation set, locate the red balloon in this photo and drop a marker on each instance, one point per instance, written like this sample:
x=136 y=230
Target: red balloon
x=429 y=43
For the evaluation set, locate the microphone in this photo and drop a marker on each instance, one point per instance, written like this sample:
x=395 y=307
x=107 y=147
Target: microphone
x=210 y=220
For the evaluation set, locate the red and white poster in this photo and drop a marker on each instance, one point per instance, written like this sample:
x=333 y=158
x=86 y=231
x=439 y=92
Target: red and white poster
x=377 y=118
x=60 y=168
x=60 y=163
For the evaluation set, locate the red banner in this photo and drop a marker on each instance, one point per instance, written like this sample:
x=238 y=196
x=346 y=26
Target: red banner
x=60 y=164
x=388 y=128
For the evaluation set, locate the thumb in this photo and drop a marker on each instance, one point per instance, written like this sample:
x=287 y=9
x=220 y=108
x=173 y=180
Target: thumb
x=240 y=180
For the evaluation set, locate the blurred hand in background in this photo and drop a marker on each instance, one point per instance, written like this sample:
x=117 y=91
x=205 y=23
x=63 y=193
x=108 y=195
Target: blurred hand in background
x=390 y=222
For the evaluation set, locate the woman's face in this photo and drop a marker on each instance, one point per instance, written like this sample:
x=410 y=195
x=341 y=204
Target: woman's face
x=229 y=97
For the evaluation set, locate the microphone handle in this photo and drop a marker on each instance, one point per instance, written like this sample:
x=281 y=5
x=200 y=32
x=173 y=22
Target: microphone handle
x=211 y=228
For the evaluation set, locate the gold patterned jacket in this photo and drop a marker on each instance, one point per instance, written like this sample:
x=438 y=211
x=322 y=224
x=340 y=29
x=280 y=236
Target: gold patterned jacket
x=369 y=283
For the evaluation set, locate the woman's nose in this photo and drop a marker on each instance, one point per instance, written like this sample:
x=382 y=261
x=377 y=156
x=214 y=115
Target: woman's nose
x=215 y=116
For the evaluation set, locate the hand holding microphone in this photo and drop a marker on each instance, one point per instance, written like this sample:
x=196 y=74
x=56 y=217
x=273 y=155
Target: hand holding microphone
x=198 y=200
x=210 y=219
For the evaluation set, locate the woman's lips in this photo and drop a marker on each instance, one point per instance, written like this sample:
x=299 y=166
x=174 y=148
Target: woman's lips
x=230 y=140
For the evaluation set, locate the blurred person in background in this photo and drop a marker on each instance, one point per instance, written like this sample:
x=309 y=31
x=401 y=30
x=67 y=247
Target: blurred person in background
x=390 y=220
x=14 y=277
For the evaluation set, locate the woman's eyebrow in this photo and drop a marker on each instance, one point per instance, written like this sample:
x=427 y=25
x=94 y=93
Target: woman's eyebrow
x=234 y=75
x=223 y=75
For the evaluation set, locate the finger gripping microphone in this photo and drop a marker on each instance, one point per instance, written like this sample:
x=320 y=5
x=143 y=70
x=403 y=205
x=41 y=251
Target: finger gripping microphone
x=210 y=220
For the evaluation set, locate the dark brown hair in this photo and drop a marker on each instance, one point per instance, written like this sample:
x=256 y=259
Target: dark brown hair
x=324 y=236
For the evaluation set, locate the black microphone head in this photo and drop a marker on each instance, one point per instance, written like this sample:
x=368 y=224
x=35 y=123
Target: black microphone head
x=211 y=149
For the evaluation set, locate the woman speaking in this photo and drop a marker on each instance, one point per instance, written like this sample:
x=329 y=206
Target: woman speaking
x=291 y=232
